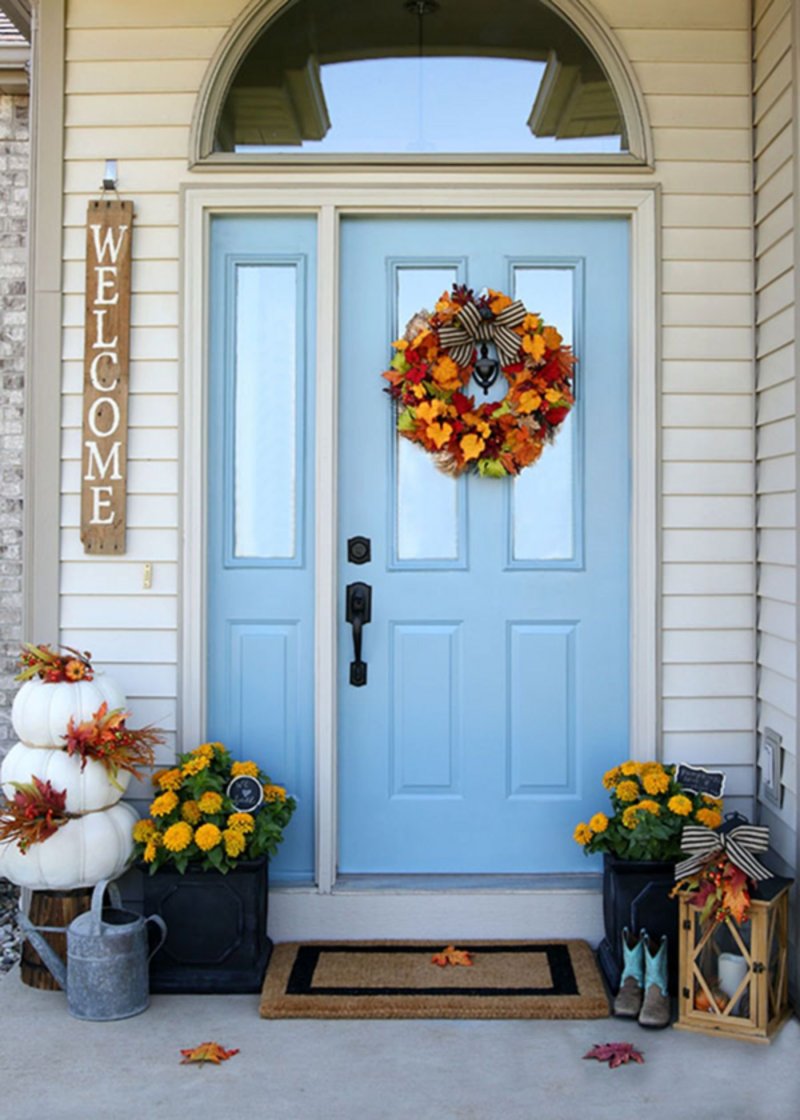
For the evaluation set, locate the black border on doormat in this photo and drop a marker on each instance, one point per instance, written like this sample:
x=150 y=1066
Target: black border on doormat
x=301 y=978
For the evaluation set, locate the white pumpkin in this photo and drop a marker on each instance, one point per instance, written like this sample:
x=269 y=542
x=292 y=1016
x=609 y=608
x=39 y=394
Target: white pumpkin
x=41 y=711
x=80 y=854
x=88 y=789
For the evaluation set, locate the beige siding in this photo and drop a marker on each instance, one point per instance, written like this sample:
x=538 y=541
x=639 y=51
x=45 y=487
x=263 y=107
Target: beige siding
x=773 y=95
x=133 y=71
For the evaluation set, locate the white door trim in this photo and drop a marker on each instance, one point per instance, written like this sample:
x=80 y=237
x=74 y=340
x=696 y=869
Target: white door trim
x=639 y=204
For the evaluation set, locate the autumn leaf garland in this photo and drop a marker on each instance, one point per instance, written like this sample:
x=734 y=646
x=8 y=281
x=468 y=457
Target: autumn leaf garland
x=496 y=438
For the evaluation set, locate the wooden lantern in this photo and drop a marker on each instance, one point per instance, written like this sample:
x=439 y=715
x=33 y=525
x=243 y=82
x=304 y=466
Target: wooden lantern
x=733 y=978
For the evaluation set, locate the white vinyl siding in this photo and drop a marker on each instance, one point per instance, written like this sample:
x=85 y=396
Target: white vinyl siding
x=773 y=97
x=133 y=72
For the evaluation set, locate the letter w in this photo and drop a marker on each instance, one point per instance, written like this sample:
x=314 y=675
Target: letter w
x=108 y=245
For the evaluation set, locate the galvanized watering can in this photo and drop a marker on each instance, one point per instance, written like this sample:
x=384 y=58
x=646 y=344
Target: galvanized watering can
x=106 y=975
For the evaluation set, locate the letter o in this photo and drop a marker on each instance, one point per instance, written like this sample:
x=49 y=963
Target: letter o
x=92 y=418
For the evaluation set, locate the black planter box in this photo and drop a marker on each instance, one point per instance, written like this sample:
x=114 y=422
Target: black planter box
x=636 y=895
x=216 y=928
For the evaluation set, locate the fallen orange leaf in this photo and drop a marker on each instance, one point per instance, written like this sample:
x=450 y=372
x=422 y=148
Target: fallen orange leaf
x=453 y=956
x=207 y=1052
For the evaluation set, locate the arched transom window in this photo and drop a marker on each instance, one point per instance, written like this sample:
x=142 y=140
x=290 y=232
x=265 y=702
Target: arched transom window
x=419 y=77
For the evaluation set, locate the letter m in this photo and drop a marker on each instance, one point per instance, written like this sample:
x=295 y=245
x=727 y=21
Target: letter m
x=95 y=460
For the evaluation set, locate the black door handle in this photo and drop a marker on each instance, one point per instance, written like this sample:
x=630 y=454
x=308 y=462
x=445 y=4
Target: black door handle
x=358 y=603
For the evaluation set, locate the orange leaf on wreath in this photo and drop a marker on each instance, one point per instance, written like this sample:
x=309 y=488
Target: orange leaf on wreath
x=206 y=1052
x=453 y=956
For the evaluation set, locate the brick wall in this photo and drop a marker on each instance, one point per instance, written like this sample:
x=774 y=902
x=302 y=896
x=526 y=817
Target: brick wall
x=13 y=221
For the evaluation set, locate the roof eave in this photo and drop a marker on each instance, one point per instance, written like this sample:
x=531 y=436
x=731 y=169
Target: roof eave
x=19 y=12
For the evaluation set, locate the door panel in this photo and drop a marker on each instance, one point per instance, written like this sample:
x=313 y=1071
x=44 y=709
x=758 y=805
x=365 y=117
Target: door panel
x=260 y=649
x=497 y=652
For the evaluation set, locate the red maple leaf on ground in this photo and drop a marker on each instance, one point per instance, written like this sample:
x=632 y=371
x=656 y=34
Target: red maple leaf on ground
x=206 y=1052
x=615 y=1053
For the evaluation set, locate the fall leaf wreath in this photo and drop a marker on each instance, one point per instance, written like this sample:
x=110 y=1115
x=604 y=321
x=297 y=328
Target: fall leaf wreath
x=435 y=360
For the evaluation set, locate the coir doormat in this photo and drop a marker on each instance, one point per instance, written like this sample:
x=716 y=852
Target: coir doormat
x=397 y=980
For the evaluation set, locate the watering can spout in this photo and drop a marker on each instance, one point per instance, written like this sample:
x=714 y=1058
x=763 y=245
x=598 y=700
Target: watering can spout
x=51 y=959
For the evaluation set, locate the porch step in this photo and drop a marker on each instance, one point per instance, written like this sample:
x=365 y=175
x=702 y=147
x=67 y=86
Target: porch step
x=440 y=907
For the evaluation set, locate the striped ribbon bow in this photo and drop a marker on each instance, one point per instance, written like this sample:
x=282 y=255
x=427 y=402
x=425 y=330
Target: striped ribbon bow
x=460 y=338
x=738 y=844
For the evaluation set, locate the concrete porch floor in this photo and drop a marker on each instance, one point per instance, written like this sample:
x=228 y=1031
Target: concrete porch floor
x=52 y=1065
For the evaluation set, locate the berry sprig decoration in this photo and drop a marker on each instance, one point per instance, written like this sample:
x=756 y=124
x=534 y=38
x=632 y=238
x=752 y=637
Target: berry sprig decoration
x=43 y=662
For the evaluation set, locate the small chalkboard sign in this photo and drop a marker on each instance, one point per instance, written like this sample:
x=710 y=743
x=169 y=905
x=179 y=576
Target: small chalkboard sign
x=698 y=780
x=246 y=793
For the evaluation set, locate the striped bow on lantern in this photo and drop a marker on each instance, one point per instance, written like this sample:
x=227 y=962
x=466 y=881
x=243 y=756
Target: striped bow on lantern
x=738 y=844
x=459 y=338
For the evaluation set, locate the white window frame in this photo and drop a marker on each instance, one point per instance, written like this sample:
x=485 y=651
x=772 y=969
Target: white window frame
x=372 y=193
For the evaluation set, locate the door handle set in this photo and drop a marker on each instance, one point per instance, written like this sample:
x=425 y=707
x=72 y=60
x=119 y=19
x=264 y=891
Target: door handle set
x=358 y=605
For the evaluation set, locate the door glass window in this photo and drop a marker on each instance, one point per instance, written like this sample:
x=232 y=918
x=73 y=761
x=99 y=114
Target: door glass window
x=544 y=503
x=426 y=500
x=265 y=412
x=425 y=76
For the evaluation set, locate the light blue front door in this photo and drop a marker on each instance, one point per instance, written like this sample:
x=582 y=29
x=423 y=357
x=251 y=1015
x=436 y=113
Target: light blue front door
x=497 y=651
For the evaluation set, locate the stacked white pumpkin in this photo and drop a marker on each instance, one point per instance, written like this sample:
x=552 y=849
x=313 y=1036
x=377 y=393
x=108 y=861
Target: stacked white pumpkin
x=96 y=844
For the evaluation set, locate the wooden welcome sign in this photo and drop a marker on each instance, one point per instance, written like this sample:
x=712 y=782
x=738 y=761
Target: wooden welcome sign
x=104 y=460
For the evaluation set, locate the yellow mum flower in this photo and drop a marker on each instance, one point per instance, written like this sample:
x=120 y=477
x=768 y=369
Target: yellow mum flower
x=274 y=793
x=630 y=768
x=210 y=802
x=144 y=831
x=235 y=842
x=630 y=817
x=582 y=834
x=163 y=805
x=680 y=805
x=250 y=769
x=195 y=765
x=599 y=822
x=242 y=821
x=178 y=836
x=711 y=818
x=650 y=806
x=655 y=782
x=713 y=802
x=190 y=811
x=170 y=779
x=627 y=790
x=611 y=777
x=207 y=837
x=150 y=850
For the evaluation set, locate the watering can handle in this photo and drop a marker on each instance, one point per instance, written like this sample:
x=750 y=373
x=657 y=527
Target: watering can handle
x=97 y=901
x=162 y=925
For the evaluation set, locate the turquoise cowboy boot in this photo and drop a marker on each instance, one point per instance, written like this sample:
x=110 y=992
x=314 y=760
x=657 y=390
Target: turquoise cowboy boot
x=628 y=1001
x=655 y=1011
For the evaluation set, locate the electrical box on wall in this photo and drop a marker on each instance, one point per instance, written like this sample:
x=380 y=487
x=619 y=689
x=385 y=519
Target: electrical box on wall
x=770 y=763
